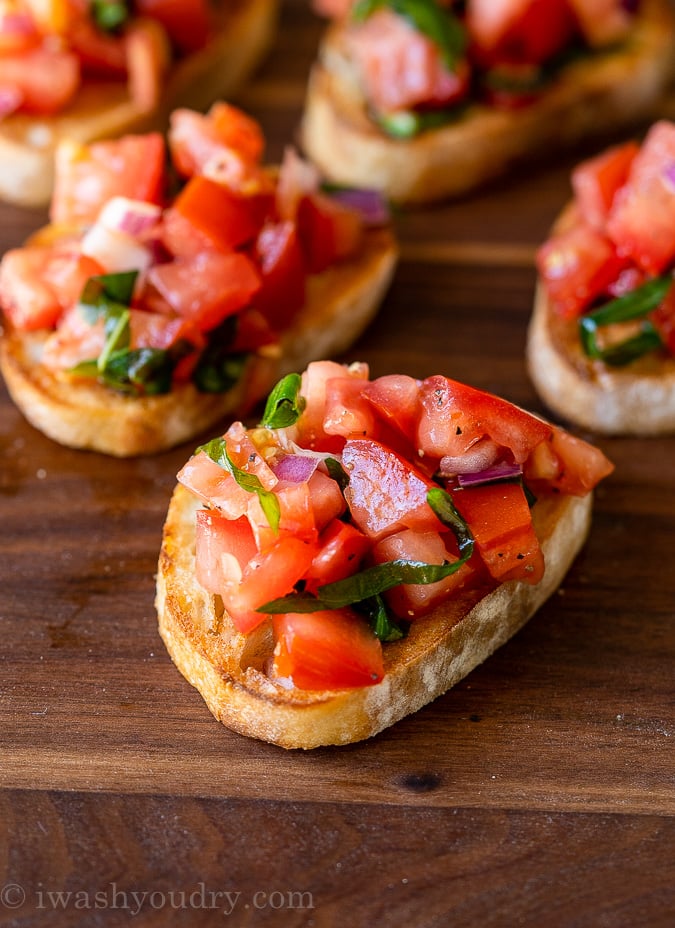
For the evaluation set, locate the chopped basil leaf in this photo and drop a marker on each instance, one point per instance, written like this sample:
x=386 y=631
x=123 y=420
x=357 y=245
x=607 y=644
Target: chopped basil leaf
x=216 y=449
x=104 y=290
x=141 y=371
x=380 y=621
x=405 y=124
x=219 y=368
x=337 y=472
x=443 y=506
x=630 y=306
x=284 y=404
x=109 y=14
x=427 y=17
x=117 y=334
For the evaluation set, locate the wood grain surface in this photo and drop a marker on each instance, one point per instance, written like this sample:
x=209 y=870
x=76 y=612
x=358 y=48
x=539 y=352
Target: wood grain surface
x=540 y=791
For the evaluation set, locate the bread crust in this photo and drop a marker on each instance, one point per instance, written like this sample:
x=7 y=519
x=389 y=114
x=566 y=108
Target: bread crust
x=638 y=399
x=84 y=414
x=596 y=94
x=440 y=649
x=105 y=110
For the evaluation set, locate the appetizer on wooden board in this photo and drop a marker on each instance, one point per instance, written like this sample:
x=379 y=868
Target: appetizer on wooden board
x=135 y=320
x=601 y=343
x=426 y=99
x=366 y=546
x=88 y=70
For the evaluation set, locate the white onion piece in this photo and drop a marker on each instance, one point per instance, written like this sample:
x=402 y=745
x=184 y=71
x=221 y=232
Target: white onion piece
x=480 y=456
x=132 y=217
x=116 y=252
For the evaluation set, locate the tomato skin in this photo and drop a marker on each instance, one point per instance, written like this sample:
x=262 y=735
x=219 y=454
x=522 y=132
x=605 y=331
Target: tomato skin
x=227 y=220
x=342 y=548
x=454 y=416
x=47 y=80
x=187 y=22
x=328 y=231
x=88 y=176
x=282 y=269
x=576 y=267
x=642 y=219
x=385 y=493
x=327 y=650
x=500 y=520
x=346 y=412
x=208 y=288
x=196 y=140
x=395 y=397
x=310 y=431
x=575 y=467
x=519 y=31
x=597 y=180
x=410 y=600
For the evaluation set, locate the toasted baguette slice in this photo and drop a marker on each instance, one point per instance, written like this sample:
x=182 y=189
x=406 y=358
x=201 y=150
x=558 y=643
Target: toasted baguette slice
x=598 y=93
x=636 y=400
x=440 y=649
x=82 y=414
x=105 y=109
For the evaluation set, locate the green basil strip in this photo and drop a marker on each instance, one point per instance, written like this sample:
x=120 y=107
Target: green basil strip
x=630 y=306
x=437 y=24
x=117 y=335
x=104 y=291
x=443 y=506
x=380 y=621
x=109 y=14
x=284 y=404
x=337 y=473
x=216 y=449
x=139 y=371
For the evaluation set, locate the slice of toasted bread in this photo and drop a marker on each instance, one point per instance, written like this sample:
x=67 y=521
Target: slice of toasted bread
x=83 y=414
x=228 y=668
x=105 y=109
x=598 y=93
x=635 y=400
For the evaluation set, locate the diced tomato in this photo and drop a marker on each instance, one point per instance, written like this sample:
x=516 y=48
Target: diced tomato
x=454 y=416
x=328 y=503
x=346 y=412
x=197 y=141
x=385 y=493
x=246 y=454
x=253 y=331
x=148 y=59
x=642 y=219
x=295 y=511
x=37 y=284
x=227 y=220
x=101 y=54
x=283 y=273
x=212 y=484
x=154 y=330
x=327 y=650
x=410 y=600
x=208 y=287
x=520 y=31
x=223 y=548
x=313 y=391
x=18 y=32
x=499 y=518
x=596 y=181
x=47 y=79
x=87 y=176
x=342 y=548
x=188 y=22
x=568 y=464
x=401 y=67
x=576 y=267
x=395 y=397
x=180 y=237
x=328 y=231
x=603 y=22
x=74 y=341
x=663 y=318
x=269 y=575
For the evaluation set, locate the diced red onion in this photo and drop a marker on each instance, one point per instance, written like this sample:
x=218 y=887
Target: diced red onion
x=295 y=468
x=490 y=475
x=133 y=217
x=369 y=204
x=479 y=456
x=669 y=174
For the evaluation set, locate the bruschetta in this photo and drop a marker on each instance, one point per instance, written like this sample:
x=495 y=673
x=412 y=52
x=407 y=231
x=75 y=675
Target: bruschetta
x=94 y=70
x=601 y=344
x=426 y=99
x=133 y=321
x=365 y=547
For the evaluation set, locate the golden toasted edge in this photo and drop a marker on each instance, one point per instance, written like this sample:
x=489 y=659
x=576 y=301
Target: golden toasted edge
x=79 y=414
x=594 y=95
x=589 y=394
x=440 y=650
x=105 y=110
